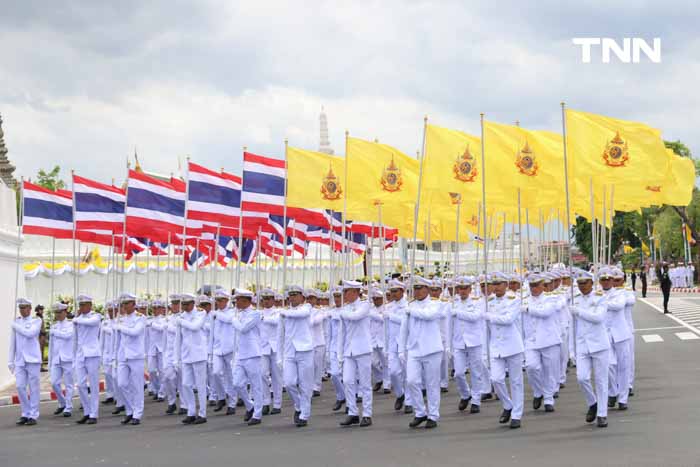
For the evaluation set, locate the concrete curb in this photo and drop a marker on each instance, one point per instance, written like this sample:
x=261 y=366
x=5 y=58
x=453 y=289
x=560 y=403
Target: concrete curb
x=683 y=290
x=43 y=397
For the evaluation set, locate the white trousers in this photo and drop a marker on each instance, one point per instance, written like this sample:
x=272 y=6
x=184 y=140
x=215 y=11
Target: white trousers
x=514 y=365
x=424 y=369
x=543 y=369
x=215 y=390
x=130 y=381
x=63 y=372
x=618 y=374
x=247 y=371
x=272 y=380
x=444 y=370
x=88 y=375
x=223 y=371
x=632 y=368
x=109 y=380
x=563 y=357
x=319 y=366
x=380 y=367
x=336 y=372
x=299 y=380
x=172 y=384
x=598 y=362
x=155 y=372
x=397 y=374
x=27 y=380
x=358 y=368
x=469 y=357
x=194 y=375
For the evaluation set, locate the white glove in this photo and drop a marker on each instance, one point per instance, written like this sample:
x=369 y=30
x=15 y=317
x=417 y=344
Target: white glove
x=11 y=367
x=402 y=357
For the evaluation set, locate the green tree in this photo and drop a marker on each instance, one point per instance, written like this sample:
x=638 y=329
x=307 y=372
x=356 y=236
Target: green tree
x=50 y=180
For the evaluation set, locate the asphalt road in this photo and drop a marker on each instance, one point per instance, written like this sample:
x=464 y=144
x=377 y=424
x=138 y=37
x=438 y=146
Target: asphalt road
x=662 y=427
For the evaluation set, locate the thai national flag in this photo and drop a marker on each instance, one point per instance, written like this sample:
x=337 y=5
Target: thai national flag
x=357 y=243
x=154 y=207
x=46 y=212
x=248 y=253
x=99 y=211
x=263 y=188
x=213 y=199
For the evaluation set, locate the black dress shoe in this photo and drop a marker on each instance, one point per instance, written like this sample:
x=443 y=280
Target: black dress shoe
x=631 y=393
x=171 y=409
x=154 y=398
x=301 y=423
x=408 y=409
x=275 y=411
x=67 y=414
x=366 y=421
x=248 y=415
x=399 y=402
x=350 y=420
x=417 y=421
x=230 y=411
x=444 y=390
x=424 y=392
x=266 y=410
x=556 y=395
x=515 y=423
x=109 y=400
x=135 y=421
x=463 y=404
x=254 y=421
x=537 y=402
x=59 y=410
x=296 y=416
x=21 y=421
x=562 y=386
x=474 y=409
x=590 y=415
x=91 y=421
x=31 y=421
x=189 y=420
x=387 y=391
x=82 y=420
x=212 y=403
x=611 y=401
x=621 y=406
x=377 y=387
x=127 y=419
x=182 y=411
x=505 y=416
x=239 y=403
x=160 y=399
x=430 y=424
x=316 y=393
x=548 y=408
x=338 y=405
x=119 y=409
x=220 y=405
x=602 y=422
x=358 y=400
x=200 y=420
x=487 y=396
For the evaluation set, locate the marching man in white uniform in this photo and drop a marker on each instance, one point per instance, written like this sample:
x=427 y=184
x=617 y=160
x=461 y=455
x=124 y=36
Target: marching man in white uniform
x=318 y=324
x=592 y=348
x=380 y=369
x=156 y=328
x=61 y=344
x=355 y=352
x=247 y=368
x=87 y=358
x=193 y=350
x=130 y=334
x=466 y=342
x=395 y=312
x=107 y=353
x=25 y=361
x=172 y=375
x=296 y=357
x=506 y=350
x=335 y=367
x=421 y=348
x=271 y=372
x=223 y=338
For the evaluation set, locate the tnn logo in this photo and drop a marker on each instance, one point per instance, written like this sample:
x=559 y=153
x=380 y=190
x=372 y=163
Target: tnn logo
x=629 y=52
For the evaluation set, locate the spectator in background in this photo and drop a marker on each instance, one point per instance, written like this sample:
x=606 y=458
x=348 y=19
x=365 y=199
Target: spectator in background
x=665 y=283
x=643 y=279
x=43 y=339
x=634 y=279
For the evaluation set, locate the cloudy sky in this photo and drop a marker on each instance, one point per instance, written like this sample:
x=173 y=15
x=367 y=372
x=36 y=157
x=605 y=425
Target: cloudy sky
x=83 y=84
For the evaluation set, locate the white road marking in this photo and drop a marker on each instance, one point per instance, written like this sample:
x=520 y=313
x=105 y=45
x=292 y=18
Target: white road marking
x=682 y=323
x=651 y=338
x=658 y=329
x=687 y=336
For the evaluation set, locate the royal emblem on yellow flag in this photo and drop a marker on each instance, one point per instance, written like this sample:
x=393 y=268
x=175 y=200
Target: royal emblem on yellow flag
x=331 y=189
x=391 y=177
x=654 y=188
x=616 y=153
x=464 y=168
x=474 y=221
x=525 y=161
x=456 y=198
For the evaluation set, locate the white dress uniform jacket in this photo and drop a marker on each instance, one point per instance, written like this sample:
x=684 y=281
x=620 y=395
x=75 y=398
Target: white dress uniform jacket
x=503 y=314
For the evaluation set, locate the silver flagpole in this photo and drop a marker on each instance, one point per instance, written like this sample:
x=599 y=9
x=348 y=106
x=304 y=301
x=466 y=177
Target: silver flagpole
x=478 y=234
x=240 y=224
x=456 y=261
x=215 y=272
x=20 y=223
x=184 y=225
x=346 y=252
x=382 y=271
x=527 y=232
x=53 y=267
x=603 y=234
x=76 y=267
x=148 y=270
x=486 y=238
x=417 y=206
x=168 y=270
x=284 y=216
x=568 y=213
x=612 y=219
x=109 y=258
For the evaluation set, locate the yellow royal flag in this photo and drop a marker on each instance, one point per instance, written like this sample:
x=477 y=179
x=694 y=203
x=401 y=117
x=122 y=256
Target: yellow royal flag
x=531 y=161
x=614 y=152
x=315 y=180
x=645 y=249
x=380 y=174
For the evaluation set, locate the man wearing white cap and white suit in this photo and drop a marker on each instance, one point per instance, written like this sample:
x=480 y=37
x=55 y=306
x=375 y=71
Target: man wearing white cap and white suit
x=355 y=352
x=223 y=343
x=395 y=313
x=620 y=334
x=271 y=372
x=247 y=367
x=421 y=347
x=87 y=358
x=61 y=349
x=131 y=330
x=193 y=356
x=295 y=347
x=25 y=361
x=172 y=372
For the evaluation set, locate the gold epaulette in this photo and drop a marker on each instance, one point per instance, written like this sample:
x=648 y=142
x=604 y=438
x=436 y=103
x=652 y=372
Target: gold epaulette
x=491 y=298
x=599 y=293
x=511 y=297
